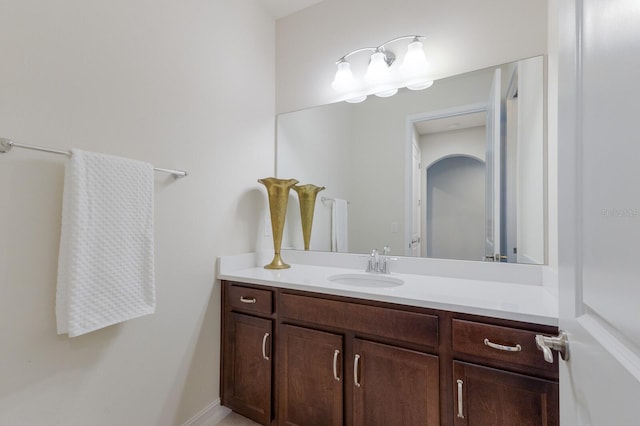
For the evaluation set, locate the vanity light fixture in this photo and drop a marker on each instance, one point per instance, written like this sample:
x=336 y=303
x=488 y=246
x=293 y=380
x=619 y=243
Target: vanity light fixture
x=381 y=78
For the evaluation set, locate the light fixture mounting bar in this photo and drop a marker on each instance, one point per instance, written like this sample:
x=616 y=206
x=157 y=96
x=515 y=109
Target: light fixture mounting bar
x=414 y=37
x=353 y=52
x=379 y=48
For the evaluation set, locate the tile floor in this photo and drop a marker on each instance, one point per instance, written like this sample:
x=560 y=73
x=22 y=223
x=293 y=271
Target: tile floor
x=235 y=419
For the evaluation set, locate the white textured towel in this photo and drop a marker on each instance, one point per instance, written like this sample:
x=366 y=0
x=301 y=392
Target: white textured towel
x=339 y=228
x=105 y=264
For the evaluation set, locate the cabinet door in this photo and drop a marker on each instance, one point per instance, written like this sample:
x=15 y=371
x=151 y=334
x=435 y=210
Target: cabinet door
x=394 y=386
x=311 y=389
x=247 y=366
x=490 y=397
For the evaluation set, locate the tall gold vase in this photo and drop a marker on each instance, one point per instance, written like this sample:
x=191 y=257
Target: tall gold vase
x=307 y=197
x=278 y=192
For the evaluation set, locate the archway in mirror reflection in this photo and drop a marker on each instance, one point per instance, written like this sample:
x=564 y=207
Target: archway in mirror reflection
x=455 y=208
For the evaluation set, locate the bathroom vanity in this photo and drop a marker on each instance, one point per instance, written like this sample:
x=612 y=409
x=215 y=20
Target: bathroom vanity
x=307 y=351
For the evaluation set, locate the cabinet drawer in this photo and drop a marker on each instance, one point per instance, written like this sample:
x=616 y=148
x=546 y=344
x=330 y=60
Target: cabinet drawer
x=251 y=299
x=389 y=323
x=498 y=343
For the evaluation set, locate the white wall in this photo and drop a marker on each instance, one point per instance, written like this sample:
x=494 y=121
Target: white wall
x=471 y=142
x=314 y=147
x=148 y=80
x=462 y=36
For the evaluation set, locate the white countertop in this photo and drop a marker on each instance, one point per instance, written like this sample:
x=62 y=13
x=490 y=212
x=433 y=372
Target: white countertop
x=532 y=301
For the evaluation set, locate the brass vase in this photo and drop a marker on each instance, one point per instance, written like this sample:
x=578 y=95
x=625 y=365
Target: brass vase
x=278 y=192
x=307 y=197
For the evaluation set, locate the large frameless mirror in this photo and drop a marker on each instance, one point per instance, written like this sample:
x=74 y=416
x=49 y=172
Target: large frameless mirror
x=456 y=171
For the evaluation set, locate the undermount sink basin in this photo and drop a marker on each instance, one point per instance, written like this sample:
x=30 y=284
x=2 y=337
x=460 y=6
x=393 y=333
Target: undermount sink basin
x=366 y=280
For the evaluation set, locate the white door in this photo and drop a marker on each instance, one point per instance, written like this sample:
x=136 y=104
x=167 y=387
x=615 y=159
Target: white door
x=492 y=193
x=599 y=210
x=417 y=203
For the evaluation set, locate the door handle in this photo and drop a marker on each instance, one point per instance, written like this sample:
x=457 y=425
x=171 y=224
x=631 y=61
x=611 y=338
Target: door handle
x=356 y=365
x=264 y=346
x=559 y=343
x=336 y=353
x=460 y=400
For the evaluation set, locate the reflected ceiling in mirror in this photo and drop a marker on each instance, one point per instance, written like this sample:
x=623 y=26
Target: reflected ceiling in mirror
x=455 y=171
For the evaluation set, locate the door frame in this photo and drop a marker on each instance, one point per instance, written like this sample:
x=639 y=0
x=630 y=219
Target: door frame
x=408 y=163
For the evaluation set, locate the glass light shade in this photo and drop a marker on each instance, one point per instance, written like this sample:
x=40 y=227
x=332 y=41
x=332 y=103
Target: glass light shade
x=357 y=100
x=415 y=61
x=385 y=93
x=419 y=84
x=343 y=81
x=378 y=70
x=415 y=66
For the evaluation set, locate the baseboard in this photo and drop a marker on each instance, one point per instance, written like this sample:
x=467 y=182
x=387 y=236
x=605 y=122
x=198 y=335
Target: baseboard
x=209 y=415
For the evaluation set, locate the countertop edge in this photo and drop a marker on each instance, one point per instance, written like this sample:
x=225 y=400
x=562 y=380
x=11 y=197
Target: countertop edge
x=542 y=319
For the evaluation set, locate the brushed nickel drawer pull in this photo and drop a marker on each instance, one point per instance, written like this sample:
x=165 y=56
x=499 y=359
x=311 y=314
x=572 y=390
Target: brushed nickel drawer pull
x=356 y=365
x=247 y=299
x=460 y=406
x=335 y=365
x=264 y=346
x=516 y=348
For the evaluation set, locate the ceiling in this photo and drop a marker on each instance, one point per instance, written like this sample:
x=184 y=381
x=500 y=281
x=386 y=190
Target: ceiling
x=445 y=124
x=281 y=8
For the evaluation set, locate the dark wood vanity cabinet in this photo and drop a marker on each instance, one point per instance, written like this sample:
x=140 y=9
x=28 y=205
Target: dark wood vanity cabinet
x=329 y=360
x=376 y=360
x=390 y=385
x=508 y=381
x=247 y=336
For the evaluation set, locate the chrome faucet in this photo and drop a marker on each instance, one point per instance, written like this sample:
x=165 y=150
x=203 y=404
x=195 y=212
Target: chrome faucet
x=379 y=263
x=384 y=265
x=374 y=261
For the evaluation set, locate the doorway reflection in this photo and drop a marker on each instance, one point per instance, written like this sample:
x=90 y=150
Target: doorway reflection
x=455 y=208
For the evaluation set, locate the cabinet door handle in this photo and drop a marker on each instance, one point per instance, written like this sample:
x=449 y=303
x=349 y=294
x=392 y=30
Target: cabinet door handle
x=247 y=299
x=460 y=406
x=264 y=346
x=336 y=353
x=356 y=366
x=516 y=348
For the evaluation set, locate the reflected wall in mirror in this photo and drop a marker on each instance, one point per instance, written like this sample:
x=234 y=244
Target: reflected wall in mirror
x=456 y=171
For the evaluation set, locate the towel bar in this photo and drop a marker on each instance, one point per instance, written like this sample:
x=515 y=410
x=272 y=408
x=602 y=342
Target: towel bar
x=325 y=199
x=7 y=144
